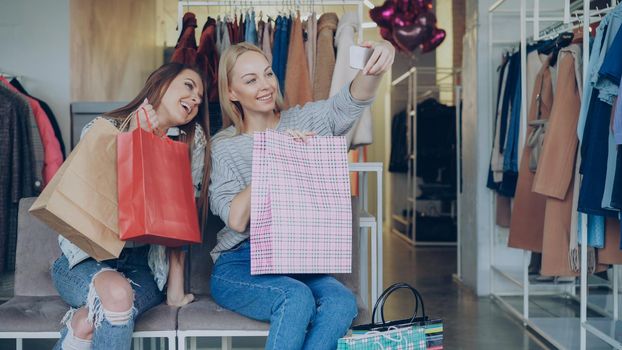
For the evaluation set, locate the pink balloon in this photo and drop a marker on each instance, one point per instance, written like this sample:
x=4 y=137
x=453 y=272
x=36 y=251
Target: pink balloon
x=435 y=40
x=383 y=15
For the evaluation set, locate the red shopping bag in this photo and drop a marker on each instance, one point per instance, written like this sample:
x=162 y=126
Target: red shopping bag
x=156 y=196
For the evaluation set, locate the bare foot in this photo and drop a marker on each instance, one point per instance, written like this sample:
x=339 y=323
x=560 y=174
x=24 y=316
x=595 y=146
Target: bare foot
x=176 y=301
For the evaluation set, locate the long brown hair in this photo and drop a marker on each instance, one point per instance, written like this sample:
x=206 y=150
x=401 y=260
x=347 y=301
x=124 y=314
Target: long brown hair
x=232 y=111
x=156 y=85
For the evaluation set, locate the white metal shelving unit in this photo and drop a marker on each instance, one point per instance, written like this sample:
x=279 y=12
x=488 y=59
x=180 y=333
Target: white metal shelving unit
x=559 y=331
x=411 y=76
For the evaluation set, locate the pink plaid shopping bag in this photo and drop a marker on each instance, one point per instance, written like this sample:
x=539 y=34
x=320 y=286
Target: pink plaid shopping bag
x=301 y=215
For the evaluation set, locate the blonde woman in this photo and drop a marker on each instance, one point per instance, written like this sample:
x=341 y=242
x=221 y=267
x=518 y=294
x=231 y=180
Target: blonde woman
x=305 y=311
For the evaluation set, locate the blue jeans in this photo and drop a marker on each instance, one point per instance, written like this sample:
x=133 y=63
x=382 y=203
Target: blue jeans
x=74 y=286
x=305 y=311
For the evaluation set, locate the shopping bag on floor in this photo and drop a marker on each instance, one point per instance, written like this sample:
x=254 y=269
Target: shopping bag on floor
x=301 y=214
x=80 y=203
x=156 y=196
x=416 y=332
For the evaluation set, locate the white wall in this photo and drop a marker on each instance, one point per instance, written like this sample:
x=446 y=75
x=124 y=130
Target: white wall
x=34 y=44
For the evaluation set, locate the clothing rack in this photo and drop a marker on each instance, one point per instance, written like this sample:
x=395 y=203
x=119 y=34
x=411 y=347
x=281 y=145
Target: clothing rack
x=183 y=6
x=554 y=330
x=411 y=76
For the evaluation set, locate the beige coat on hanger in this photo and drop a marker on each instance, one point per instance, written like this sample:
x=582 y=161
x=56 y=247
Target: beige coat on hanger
x=527 y=222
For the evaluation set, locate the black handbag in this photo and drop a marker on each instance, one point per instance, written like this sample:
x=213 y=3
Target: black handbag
x=433 y=327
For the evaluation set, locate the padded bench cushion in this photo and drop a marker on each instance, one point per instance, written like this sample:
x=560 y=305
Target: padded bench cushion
x=43 y=314
x=32 y=314
x=206 y=315
x=159 y=318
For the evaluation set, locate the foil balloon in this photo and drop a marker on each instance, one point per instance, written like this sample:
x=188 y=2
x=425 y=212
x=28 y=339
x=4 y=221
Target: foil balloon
x=387 y=34
x=383 y=15
x=410 y=36
x=438 y=35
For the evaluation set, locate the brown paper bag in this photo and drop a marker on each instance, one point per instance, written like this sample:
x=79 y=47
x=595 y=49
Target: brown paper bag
x=80 y=203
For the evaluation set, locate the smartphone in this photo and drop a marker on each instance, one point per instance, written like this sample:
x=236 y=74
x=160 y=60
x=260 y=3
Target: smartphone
x=359 y=56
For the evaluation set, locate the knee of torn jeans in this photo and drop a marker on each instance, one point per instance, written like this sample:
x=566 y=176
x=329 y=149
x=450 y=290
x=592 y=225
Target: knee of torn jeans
x=116 y=293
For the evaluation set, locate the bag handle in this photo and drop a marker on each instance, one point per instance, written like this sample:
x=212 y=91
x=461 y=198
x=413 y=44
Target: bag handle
x=144 y=110
x=390 y=290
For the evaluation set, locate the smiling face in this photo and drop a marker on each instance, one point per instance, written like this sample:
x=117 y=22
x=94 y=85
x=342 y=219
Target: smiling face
x=253 y=84
x=180 y=103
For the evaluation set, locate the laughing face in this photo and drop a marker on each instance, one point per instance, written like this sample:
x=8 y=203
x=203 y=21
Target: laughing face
x=253 y=83
x=181 y=101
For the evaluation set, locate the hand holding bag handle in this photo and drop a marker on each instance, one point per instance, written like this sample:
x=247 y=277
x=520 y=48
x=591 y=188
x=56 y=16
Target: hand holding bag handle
x=387 y=292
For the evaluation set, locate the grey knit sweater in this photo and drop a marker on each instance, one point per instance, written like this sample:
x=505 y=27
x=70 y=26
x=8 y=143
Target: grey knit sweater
x=232 y=153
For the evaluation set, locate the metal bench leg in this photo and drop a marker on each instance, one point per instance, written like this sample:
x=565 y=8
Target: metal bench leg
x=226 y=343
x=19 y=345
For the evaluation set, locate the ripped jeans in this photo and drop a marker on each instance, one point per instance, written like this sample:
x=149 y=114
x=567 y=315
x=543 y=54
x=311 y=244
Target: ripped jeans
x=76 y=289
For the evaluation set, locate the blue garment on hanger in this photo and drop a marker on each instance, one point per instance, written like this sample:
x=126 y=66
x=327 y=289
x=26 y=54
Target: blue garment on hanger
x=276 y=48
x=595 y=230
x=605 y=33
x=285 y=29
x=250 y=34
x=594 y=153
x=510 y=153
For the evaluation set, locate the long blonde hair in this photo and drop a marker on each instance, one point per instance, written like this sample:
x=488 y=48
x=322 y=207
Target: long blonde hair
x=232 y=111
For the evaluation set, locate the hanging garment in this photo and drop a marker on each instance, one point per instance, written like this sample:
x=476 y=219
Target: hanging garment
x=48 y=112
x=594 y=153
x=608 y=84
x=399 y=147
x=279 y=63
x=251 y=29
x=503 y=211
x=361 y=133
x=297 y=84
x=324 y=56
x=605 y=33
x=186 y=48
x=556 y=236
x=225 y=41
x=231 y=30
x=616 y=193
x=242 y=28
x=17 y=178
x=311 y=44
x=266 y=40
x=261 y=25
x=219 y=34
x=527 y=224
x=557 y=161
x=510 y=151
x=611 y=65
x=207 y=59
x=276 y=50
x=435 y=142
x=235 y=31
x=556 y=168
x=611 y=253
x=36 y=143
x=496 y=176
x=52 y=155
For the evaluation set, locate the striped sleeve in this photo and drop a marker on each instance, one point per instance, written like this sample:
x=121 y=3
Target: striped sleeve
x=223 y=187
x=338 y=113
